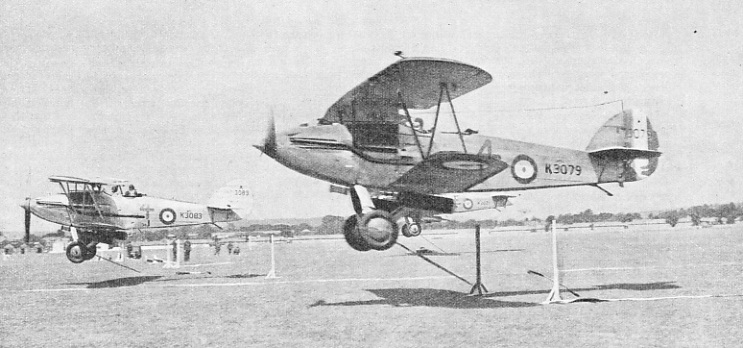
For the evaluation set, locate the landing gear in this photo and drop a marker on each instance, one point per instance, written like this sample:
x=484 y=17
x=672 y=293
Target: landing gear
x=375 y=230
x=378 y=230
x=352 y=235
x=370 y=228
x=76 y=252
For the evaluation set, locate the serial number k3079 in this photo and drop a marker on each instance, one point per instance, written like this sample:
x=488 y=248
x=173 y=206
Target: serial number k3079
x=562 y=168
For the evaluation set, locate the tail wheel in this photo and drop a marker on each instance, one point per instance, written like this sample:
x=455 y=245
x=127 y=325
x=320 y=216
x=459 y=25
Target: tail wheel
x=414 y=229
x=76 y=252
x=351 y=233
x=378 y=230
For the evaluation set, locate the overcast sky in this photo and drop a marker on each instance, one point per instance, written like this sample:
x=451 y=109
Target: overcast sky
x=172 y=94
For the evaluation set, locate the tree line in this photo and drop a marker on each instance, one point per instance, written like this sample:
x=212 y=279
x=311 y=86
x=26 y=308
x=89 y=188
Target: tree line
x=330 y=224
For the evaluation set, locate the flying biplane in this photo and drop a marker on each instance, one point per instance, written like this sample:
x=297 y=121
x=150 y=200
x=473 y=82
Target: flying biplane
x=103 y=211
x=365 y=142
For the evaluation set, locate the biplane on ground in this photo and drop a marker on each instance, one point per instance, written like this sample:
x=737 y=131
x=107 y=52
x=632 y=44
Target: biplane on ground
x=103 y=211
x=365 y=142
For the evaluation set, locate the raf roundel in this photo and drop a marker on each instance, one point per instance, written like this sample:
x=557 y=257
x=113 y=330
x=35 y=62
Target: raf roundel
x=524 y=169
x=167 y=216
x=467 y=204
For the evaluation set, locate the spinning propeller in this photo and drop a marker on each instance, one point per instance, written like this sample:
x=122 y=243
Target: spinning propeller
x=268 y=145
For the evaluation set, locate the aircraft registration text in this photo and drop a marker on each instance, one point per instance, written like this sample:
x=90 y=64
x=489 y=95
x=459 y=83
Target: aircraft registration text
x=191 y=215
x=561 y=168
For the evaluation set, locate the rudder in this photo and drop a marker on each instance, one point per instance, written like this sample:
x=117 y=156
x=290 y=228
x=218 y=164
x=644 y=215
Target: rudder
x=235 y=196
x=627 y=139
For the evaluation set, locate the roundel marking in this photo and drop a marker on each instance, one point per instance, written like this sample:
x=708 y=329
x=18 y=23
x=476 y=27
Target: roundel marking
x=167 y=216
x=524 y=169
x=467 y=204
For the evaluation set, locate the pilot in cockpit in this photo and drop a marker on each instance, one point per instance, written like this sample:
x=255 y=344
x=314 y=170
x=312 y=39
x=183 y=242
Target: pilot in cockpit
x=131 y=192
x=417 y=125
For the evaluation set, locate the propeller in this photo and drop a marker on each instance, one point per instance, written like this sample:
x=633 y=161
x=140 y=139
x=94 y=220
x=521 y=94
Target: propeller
x=26 y=205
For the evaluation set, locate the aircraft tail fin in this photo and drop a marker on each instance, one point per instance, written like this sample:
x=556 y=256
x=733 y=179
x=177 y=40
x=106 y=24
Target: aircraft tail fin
x=231 y=202
x=627 y=140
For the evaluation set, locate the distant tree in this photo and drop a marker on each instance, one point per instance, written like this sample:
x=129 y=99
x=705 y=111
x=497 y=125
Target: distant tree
x=672 y=220
x=548 y=222
x=303 y=226
x=731 y=219
x=331 y=225
x=696 y=219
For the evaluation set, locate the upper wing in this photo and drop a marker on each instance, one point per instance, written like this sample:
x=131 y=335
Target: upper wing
x=77 y=180
x=445 y=172
x=418 y=82
x=70 y=179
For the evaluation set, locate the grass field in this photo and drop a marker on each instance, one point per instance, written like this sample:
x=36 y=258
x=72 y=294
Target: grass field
x=328 y=295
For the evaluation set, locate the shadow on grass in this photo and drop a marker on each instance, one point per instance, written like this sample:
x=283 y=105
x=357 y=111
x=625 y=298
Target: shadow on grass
x=244 y=276
x=132 y=281
x=427 y=298
x=118 y=282
x=617 y=286
x=429 y=252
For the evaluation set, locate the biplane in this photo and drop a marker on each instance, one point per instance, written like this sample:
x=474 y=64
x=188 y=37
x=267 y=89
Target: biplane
x=369 y=142
x=104 y=211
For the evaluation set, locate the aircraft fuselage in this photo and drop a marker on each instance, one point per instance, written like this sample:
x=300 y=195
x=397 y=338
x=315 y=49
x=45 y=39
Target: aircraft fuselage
x=329 y=152
x=118 y=212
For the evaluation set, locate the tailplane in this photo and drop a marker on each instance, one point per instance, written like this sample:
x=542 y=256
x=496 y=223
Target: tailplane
x=628 y=143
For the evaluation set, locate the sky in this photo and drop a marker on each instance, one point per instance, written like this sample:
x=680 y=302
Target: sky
x=172 y=94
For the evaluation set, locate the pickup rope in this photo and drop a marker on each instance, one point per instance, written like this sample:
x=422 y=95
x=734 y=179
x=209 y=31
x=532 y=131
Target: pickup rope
x=116 y=263
x=435 y=264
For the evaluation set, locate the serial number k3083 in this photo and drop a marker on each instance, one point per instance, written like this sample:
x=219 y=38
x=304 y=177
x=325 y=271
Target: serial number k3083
x=562 y=168
x=191 y=215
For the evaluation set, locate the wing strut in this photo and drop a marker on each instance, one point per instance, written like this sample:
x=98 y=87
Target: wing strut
x=454 y=114
x=87 y=191
x=95 y=204
x=443 y=88
x=70 y=209
x=410 y=121
x=435 y=121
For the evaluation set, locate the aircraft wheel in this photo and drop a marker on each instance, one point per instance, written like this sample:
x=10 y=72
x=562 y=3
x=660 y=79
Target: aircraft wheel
x=405 y=230
x=415 y=229
x=76 y=252
x=351 y=233
x=378 y=230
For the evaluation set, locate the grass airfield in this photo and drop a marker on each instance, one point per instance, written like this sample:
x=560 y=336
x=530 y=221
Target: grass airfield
x=676 y=287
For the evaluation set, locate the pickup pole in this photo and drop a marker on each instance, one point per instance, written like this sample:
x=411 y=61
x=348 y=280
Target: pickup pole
x=479 y=286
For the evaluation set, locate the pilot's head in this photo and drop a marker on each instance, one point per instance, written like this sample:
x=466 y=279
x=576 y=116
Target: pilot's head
x=418 y=123
x=131 y=187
